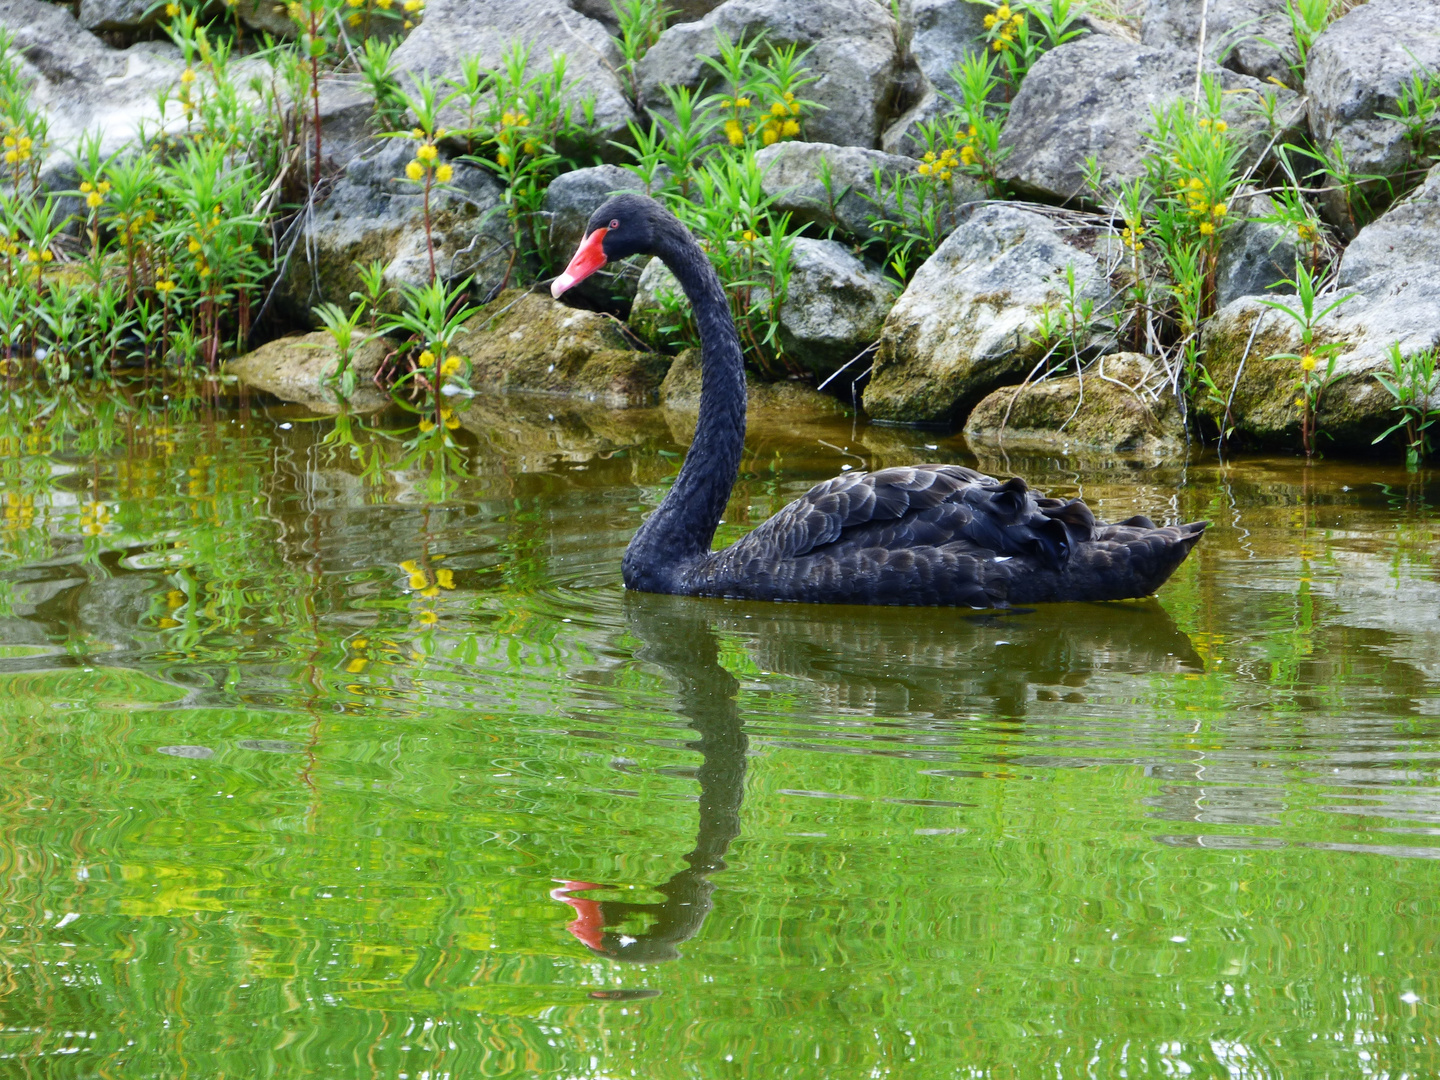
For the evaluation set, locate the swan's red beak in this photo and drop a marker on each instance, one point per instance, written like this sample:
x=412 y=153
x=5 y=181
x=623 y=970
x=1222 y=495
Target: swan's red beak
x=588 y=925
x=589 y=258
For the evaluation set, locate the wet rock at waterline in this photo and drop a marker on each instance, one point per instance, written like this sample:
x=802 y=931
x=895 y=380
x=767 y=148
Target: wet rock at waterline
x=373 y=213
x=1252 y=37
x=969 y=320
x=1121 y=403
x=569 y=201
x=1392 y=271
x=1355 y=73
x=526 y=341
x=303 y=369
x=1094 y=97
x=82 y=85
x=489 y=29
x=835 y=306
x=853 y=52
x=681 y=391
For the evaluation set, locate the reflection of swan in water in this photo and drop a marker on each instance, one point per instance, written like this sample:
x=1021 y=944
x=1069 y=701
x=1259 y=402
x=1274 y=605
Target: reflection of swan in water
x=886 y=661
x=676 y=636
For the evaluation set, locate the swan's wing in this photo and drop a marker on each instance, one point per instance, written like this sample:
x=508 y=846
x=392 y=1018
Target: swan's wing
x=925 y=505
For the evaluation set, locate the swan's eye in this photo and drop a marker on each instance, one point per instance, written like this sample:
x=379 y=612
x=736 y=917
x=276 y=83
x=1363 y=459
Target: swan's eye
x=614 y=223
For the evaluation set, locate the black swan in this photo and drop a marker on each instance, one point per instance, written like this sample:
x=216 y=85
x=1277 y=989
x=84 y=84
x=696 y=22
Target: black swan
x=918 y=535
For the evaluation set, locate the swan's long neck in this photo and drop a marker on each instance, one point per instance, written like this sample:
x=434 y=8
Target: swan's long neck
x=681 y=529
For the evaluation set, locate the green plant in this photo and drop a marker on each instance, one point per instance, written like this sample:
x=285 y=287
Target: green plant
x=377 y=67
x=640 y=23
x=1417 y=110
x=1414 y=383
x=431 y=316
x=376 y=292
x=426 y=169
x=1010 y=30
x=341 y=328
x=1316 y=362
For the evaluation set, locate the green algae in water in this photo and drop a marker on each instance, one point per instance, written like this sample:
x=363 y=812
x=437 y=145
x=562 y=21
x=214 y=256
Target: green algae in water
x=308 y=771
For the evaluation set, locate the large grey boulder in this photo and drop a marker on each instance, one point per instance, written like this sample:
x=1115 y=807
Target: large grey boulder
x=1096 y=96
x=969 y=320
x=793 y=179
x=1392 y=271
x=455 y=29
x=677 y=11
x=129 y=16
x=1356 y=71
x=943 y=33
x=373 y=213
x=569 y=201
x=835 y=306
x=83 y=85
x=854 y=53
x=1254 y=255
x=1252 y=37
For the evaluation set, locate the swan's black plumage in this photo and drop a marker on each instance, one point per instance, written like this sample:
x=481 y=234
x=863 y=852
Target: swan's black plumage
x=922 y=534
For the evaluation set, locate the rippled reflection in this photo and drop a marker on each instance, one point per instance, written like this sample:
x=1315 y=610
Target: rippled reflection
x=313 y=764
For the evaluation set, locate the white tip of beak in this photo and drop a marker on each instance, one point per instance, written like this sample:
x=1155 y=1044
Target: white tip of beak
x=560 y=284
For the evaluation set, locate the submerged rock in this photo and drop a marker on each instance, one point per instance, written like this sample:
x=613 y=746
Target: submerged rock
x=1252 y=37
x=372 y=213
x=1113 y=406
x=1392 y=271
x=969 y=320
x=853 y=52
x=527 y=341
x=1095 y=97
x=550 y=29
x=303 y=369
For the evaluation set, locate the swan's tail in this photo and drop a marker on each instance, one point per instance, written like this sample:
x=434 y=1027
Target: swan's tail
x=1119 y=562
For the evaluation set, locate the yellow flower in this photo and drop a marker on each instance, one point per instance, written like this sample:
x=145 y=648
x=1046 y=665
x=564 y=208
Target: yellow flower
x=413 y=5
x=451 y=366
x=427 y=153
x=452 y=422
x=1299 y=403
x=428 y=618
x=171 y=10
x=1206 y=228
x=194 y=246
x=1196 y=184
x=86 y=187
x=769 y=136
x=355 y=20
x=445 y=579
x=734 y=134
x=444 y=174
x=427 y=358
x=795 y=108
x=790 y=128
x=742 y=103
x=427 y=426
x=990 y=21
x=1308 y=362
x=999 y=46
x=1221 y=126
x=1002 y=12
x=967 y=155
x=924 y=169
x=416 y=171
x=1203 y=122
x=945 y=175
x=384 y=5
x=777 y=109
x=929 y=155
x=103 y=187
x=1220 y=209
x=502 y=159
x=187 y=76
x=747 y=236
x=94 y=199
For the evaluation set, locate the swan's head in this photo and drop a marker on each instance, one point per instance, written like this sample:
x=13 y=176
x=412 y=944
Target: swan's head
x=623 y=226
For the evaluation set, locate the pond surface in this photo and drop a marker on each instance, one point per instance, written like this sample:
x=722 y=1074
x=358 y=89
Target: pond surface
x=306 y=771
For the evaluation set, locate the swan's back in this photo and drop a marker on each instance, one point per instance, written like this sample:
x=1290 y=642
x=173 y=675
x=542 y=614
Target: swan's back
x=941 y=535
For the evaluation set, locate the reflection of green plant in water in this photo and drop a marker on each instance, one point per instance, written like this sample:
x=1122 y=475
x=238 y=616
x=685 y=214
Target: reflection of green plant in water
x=1414 y=383
x=1316 y=362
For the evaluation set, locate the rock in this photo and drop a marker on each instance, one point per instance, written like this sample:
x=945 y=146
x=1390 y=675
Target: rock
x=267 y=16
x=681 y=391
x=302 y=369
x=965 y=324
x=676 y=11
x=836 y=305
x=1392 y=268
x=373 y=213
x=792 y=178
x=1355 y=72
x=119 y=14
x=853 y=53
x=569 y=201
x=347 y=125
x=455 y=29
x=943 y=33
x=1115 y=409
x=526 y=341
x=1254 y=256
x=1252 y=37
x=1095 y=96
x=83 y=85
x=903 y=137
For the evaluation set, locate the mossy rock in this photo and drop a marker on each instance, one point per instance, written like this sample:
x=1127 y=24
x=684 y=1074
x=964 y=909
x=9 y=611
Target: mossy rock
x=1109 y=413
x=681 y=391
x=525 y=341
x=302 y=369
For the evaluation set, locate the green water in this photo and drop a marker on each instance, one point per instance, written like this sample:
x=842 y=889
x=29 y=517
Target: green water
x=296 y=755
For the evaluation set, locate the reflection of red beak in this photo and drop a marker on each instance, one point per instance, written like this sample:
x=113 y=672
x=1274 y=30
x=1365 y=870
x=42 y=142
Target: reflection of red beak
x=589 y=258
x=589 y=924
